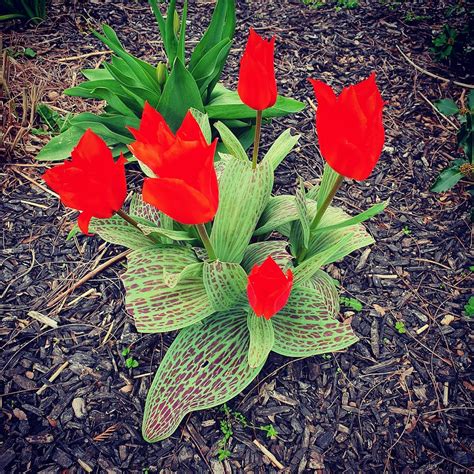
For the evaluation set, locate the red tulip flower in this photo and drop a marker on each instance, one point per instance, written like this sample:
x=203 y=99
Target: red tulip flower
x=257 y=85
x=91 y=182
x=349 y=127
x=185 y=187
x=268 y=288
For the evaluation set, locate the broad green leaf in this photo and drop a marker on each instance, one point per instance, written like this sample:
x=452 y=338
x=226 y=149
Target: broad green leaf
x=100 y=74
x=231 y=142
x=182 y=33
x=179 y=95
x=191 y=271
x=363 y=216
x=203 y=121
x=301 y=228
x=447 y=179
x=139 y=208
x=327 y=183
x=221 y=26
x=256 y=253
x=116 y=230
x=153 y=304
x=321 y=241
x=205 y=366
x=60 y=147
x=169 y=234
x=306 y=269
x=280 y=210
x=227 y=105
x=159 y=18
x=244 y=193
x=281 y=147
x=262 y=338
x=307 y=326
x=224 y=282
x=170 y=38
x=447 y=106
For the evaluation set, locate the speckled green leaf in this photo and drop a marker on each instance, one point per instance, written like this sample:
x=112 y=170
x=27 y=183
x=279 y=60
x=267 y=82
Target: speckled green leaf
x=256 y=253
x=191 y=271
x=307 y=326
x=321 y=241
x=224 y=282
x=244 y=193
x=279 y=211
x=205 y=366
x=327 y=183
x=117 y=231
x=139 y=208
x=169 y=234
x=281 y=147
x=262 y=338
x=153 y=304
x=231 y=142
x=300 y=229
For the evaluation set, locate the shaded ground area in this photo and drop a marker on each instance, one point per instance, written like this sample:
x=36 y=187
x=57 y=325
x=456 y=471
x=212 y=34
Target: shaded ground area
x=396 y=401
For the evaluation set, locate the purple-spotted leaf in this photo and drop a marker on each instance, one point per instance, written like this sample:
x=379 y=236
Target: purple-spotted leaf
x=205 y=366
x=225 y=283
x=306 y=325
x=256 y=253
x=357 y=236
x=300 y=229
x=191 y=271
x=243 y=195
x=117 y=231
x=306 y=269
x=167 y=233
x=262 y=338
x=153 y=304
x=279 y=211
x=139 y=208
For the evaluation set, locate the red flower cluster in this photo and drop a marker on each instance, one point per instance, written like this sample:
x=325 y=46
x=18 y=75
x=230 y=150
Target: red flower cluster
x=91 y=182
x=257 y=85
x=268 y=288
x=349 y=127
x=185 y=187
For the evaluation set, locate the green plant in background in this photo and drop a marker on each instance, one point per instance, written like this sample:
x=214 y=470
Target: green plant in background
x=349 y=4
x=126 y=82
x=54 y=123
x=356 y=305
x=400 y=327
x=444 y=42
x=469 y=307
x=34 y=10
x=461 y=167
x=130 y=362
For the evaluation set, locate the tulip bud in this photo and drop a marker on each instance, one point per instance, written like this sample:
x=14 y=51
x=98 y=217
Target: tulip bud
x=176 y=23
x=161 y=73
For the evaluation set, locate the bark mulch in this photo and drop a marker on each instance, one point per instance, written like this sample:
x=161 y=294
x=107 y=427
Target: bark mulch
x=397 y=401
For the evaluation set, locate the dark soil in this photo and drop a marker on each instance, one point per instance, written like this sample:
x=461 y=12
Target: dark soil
x=394 y=402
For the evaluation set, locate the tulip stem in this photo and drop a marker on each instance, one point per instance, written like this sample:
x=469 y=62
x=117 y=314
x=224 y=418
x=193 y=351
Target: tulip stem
x=201 y=228
x=320 y=213
x=133 y=222
x=256 y=142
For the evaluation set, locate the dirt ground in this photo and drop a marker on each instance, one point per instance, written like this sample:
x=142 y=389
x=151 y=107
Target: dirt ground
x=394 y=402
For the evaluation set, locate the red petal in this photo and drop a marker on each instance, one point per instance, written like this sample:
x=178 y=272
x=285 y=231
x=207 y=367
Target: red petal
x=83 y=222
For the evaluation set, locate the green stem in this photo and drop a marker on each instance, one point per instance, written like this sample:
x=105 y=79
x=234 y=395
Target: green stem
x=325 y=205
x=133 y=222
x=201 y=228
x=256 y=142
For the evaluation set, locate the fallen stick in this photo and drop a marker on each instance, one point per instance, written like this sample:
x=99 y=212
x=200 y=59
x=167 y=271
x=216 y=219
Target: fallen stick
x=86 y=55
x=268 y=454
x=53 y=377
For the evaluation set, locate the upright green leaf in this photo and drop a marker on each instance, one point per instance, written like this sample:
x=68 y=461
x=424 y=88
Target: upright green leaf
x=281 y=147
x=262 y=338
x=244 y=193
x=256 y=253
x=205 y=366
x=203 y=120
x=153 y=304
x=179 y=95
x=300 y=229
x=307 y=326
x=327 y=183
x=225 y=283
x=231 y=142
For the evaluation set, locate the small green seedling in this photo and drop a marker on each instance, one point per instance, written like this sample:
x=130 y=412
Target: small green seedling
x=270 y=431
x=469 y=307
x=406 y=230
x=130 y=362
x=352 y=303
x=443 y=44
x=223 y=454
x=400 y=327
x=326 y=356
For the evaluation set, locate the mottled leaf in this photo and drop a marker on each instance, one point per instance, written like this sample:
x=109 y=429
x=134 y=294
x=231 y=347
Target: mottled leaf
x=256 y=253
x=244 y=193
x=328 y=180
x=205 y=366
x=225 y=283
x=139 y=208
x=191 y=271
x=231 y=142
x=261 y=339
x=307 y=326
x=281 y=147
x=154 y=305
x=300 y=229
x=169 y=234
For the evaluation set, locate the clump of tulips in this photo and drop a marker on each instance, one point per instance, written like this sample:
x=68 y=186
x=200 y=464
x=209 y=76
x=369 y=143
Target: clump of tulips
x=205 y=257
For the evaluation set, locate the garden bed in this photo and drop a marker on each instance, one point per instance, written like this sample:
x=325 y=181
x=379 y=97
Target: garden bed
x=398 y=399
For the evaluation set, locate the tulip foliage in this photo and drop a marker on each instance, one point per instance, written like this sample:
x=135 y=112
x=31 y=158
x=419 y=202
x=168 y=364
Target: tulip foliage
x=173 y=86
x=238 y=270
